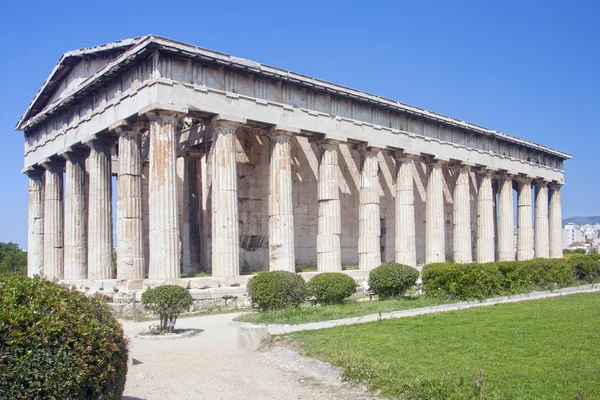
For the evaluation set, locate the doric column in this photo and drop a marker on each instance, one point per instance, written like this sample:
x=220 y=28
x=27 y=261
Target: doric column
x=191 y=212
x=435 y=250
x=406 y=250
x=369 y=225
x=53 y=219
x=463 y=251
x=329 y=257
x=164 y=218
x=542 y=235
x=282 y=254
x=555 y=222
x=506 y=224
x=35 y=231
x=485 y=219
x=76 y=215
x=100 y=227
x=130 y=250
x=225 y=218
x=524 y=219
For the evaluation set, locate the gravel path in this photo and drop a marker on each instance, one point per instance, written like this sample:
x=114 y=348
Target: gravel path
x=209 y=366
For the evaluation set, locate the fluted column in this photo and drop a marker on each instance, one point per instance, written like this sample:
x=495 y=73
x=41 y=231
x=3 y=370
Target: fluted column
x=164 y=217
x=369 y=225
x=406 y=250
x=225 y=218
x=524 y=220
x=463 y=252
x=329 y=257
x=100 y=227
x=485 y=219
x=130 y=250
x=35 y=231
x=555 y=222
x=282 y=254
x=191 y=212
x=76 y=216
x=506 y=224
x=435 y=250
x=53 y=220
x=542 y=234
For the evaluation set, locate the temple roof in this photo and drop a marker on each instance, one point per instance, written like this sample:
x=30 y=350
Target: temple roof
x=124 y=52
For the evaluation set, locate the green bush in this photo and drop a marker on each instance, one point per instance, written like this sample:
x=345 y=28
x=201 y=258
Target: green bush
x=478 y=281
x=276 y=289
x=391 y=280
x=56 y=343
x=331 y=287
x=167 y=302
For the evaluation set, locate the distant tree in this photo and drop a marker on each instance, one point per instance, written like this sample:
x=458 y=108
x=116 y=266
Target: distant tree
x=12 y=259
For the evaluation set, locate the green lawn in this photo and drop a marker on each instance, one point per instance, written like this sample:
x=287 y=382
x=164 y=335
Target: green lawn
x=547 y=349
x=350 y=309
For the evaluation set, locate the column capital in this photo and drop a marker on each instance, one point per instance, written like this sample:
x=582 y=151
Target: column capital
x=524 y=179
x=540 y=182
x=504 y=175
x=460 y=166
x=163 y=112
x=227 y=121
x=328 y=143
x=74 y=153
x=555 y=185
x=97 y=142
x=483 y=170
x=433 y=160
x=276 y=133
x=132 y=127
x=34 y=171
x=365 y=148
x=53 y=164
x=405 y=156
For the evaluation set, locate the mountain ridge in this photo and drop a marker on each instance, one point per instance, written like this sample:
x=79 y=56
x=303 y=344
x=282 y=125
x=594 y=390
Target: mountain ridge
x=579 y=220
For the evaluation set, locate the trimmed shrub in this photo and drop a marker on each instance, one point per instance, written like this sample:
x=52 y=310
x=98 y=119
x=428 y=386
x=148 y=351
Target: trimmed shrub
x=391 y=279
x=478 y=281
x=56 y=343
x=331 y=287
x=167 y=301
x=276 y=289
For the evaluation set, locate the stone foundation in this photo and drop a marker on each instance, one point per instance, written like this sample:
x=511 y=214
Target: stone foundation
x=208 y=293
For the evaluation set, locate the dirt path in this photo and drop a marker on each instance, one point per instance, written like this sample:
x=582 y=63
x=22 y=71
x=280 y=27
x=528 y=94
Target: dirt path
x=208 y=366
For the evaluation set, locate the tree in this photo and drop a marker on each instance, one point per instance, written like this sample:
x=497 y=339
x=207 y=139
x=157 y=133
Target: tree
x=12 y=259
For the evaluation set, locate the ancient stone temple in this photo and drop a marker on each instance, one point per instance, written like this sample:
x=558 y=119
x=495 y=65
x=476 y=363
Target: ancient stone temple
x=224 y=164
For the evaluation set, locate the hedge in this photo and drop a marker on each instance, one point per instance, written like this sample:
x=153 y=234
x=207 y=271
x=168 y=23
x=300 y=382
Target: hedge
x=56 y=343
x=167 y=301
x=331 y=287
x=392 y=280
x=478 y=281
x=276 y=289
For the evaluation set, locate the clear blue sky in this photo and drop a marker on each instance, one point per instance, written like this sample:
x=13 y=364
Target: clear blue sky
x=527 y=68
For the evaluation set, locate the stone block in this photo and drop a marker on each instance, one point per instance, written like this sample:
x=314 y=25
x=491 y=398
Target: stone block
x=251 y=338
x=130 y=284
x=203 y=283
x=241 y=280
x=200 y=294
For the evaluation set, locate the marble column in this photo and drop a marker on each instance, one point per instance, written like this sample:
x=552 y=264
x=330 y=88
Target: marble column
x=282 y=254
x=53 y=219
x=485 y=219
x=130 y=248
x=164 y=219
x=406 y=249
x=435 y=244
x=192 y=191
x=369 y=224
x=100 y=226
x=555 y=222
x=225 y=218
x=463 y=251
x=329 y=257
x=524 y=220
x=542 y=234
x=506 y=224
x=76 y=216
x=35 y=231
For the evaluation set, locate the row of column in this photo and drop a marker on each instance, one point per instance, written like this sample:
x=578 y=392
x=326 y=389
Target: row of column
x=78 y=244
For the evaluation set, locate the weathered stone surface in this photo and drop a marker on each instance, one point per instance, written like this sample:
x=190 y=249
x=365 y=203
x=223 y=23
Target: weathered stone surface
x=542 y=234
x=100 y=227
x=524 y=220
x=369 y=227
x=53 y=220
x=485 y=219
x=555 y=222
x=35 y=233
x=281 y=217
x=76 y=231
x=462 y=216
x=506 y=246
x=251 y=338
x=329 y=218
x=164 y=224
x=435 y=226
x=192 y=192
x=406 y=252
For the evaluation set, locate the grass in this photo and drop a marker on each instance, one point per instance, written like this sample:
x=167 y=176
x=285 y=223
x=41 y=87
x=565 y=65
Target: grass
x=350 y=309
x=543 y=349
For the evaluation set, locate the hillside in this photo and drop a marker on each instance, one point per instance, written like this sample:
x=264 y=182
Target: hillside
x=582 y=220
